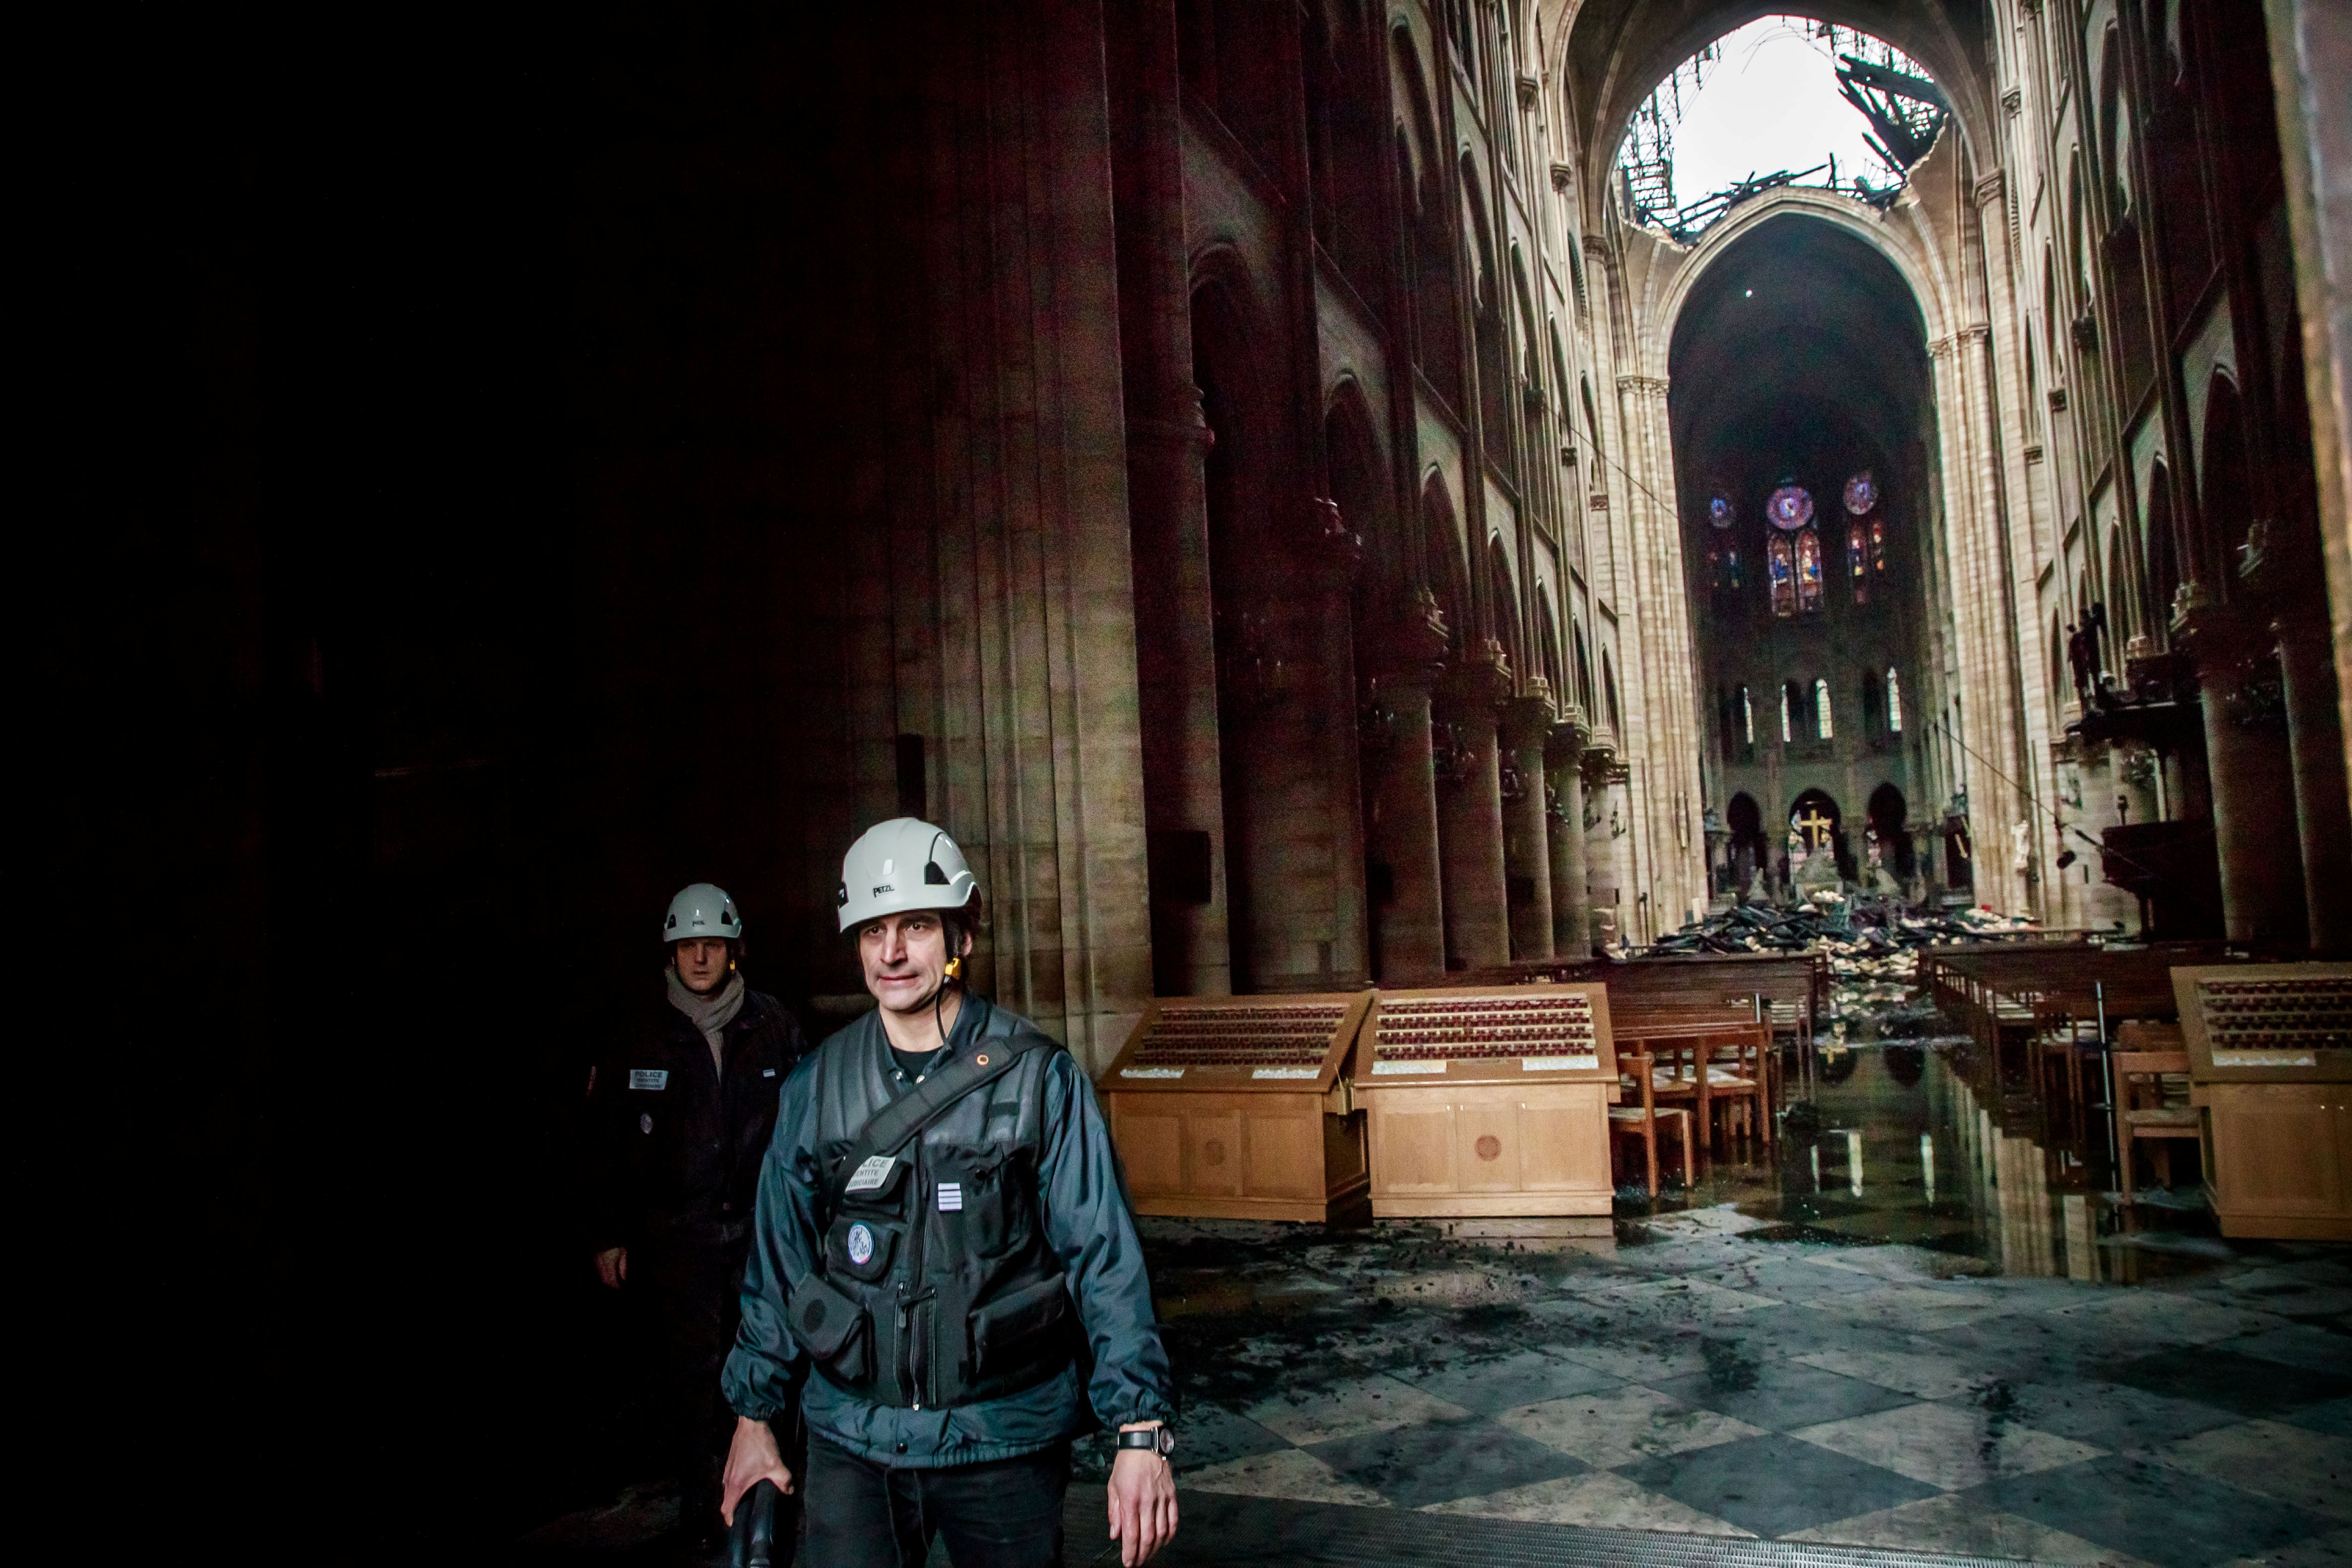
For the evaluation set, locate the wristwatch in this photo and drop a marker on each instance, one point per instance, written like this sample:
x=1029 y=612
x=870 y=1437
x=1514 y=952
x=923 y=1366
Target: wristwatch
x=1156 y=1440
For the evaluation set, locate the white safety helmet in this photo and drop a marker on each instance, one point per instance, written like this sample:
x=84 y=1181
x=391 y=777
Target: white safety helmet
x=702 y=910
x=901 y=865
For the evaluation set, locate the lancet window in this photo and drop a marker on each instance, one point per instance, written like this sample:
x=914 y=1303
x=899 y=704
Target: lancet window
x=1782 y=566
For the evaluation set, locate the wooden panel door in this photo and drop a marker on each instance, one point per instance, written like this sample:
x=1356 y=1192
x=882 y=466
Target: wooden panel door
x=2278 y=1149
x=1282 y=1155
x=1564 y=1139
x=1413 y=1142
x=1150 y=1139
x=1489 y=1142
x=1213 y=1152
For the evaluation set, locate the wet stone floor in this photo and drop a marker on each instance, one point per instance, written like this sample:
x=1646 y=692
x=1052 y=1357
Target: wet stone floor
x=1918 y=1325
x=1897 y=1331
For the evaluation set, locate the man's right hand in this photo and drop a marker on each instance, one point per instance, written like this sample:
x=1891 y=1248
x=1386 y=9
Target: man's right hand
x=612 y=1266
x=751 y=1459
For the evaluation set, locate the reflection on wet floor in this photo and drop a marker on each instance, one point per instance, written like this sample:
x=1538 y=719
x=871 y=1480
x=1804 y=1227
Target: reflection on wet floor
x=1921 y=1326
x=1895 y=1145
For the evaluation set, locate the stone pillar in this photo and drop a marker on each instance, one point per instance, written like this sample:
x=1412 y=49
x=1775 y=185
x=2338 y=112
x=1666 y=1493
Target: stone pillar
x=1470 y=815
x=2316 y=746
x=1167 y=520
x=1926 y=856
x=1604 y=891
x=1571 y=906
x=2253 y=795
x=2311 y=59
x=1401 y=806
x=1526 y=848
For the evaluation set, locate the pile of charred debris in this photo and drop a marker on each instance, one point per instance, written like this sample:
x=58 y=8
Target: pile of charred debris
x=1872 y=943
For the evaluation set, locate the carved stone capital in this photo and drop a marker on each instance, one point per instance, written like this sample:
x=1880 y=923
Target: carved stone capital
x=1184 y=424
x=1991 y=187
x=1563 y=175
x=1327 y=536
x=1528 y=717
x=1481 y=680
x=1528 y=87
x=1565 y=746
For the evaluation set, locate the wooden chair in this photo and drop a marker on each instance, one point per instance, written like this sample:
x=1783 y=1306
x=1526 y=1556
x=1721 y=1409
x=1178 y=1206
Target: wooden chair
x=1637 y=1073
x=1740 y=1079
x=2142 y=1114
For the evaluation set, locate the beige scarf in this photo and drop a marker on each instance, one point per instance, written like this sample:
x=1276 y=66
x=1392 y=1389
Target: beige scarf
x=710 y=1014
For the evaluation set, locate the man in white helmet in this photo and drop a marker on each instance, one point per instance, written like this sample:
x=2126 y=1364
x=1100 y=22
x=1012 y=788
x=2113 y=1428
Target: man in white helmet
x=682 y=1117
x=943 y=1237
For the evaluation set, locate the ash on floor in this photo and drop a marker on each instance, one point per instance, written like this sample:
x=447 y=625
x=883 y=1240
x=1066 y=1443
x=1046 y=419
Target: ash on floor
x=1710 y=1377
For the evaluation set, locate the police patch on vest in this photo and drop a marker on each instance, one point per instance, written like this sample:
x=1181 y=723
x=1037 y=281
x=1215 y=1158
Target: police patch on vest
x=861 y=1245
x=950 y=1197
x=871 y=1173
x=648 y=1077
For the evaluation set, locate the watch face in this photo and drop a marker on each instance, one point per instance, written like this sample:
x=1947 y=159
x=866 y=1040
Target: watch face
x=1861 y=493
x=1720 y=512
x=1791 y=508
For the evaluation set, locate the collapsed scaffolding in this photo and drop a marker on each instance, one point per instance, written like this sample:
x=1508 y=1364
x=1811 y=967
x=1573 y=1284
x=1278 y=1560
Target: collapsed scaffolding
x=1904 y=108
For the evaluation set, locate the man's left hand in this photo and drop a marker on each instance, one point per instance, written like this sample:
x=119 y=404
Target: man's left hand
x=1142 y=1505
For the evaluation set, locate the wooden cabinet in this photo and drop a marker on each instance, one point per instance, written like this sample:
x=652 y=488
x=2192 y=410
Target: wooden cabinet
x=1469 y=1149
x=1236 y=1108
x=1488 y=1100
x=2270 y=1063
x=2281 y=1154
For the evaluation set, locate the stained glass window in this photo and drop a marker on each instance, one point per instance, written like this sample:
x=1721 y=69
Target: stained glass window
x=1821 y=708
x=1878 y=544
x=1857 y=562
x=1790 y=508
x=1747 y=719
x=1894 y=701
x=1786 y=735
x=1808 y=571
x=1783 y=568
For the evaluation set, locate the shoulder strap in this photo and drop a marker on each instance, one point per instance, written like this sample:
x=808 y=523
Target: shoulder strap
x=988 y=1059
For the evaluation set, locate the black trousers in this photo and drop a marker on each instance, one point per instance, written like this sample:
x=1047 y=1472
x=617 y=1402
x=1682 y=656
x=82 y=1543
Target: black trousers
x=696 y=1283
x=1003 y=1514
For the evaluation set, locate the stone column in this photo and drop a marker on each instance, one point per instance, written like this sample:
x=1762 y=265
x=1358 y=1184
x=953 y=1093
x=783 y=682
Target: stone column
x=2316 y=746
x=2311 y=58
x=1926 y=855
x=1526 y=848
x=1571 y=906
x=1401 y=804
x=1605 y=898
x=1470 y=814
x=1167 y=520
x=2253 y=775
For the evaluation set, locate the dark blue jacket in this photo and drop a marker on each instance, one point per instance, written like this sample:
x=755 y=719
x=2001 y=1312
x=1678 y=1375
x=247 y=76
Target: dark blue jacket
x=677 y=1148
x=1080 y=1197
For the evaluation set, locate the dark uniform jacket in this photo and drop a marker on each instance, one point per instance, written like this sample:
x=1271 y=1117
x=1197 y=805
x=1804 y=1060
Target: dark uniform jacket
x=676 y=1151
x=1013 y=1190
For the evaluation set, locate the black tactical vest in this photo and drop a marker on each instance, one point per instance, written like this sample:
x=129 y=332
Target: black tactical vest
x=935 y=1285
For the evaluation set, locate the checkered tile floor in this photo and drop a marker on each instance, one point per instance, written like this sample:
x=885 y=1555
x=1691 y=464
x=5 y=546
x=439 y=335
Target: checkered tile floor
x=1725 y=1386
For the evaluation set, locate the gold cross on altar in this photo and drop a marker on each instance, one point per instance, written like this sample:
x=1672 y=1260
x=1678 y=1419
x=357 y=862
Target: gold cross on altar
x=1816 y=827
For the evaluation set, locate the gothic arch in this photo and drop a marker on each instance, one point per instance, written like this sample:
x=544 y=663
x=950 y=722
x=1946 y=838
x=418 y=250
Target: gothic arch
x=1923 y=272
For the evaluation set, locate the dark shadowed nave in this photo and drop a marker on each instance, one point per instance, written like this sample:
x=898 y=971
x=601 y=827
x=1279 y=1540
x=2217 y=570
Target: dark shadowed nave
x=1328 y=507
